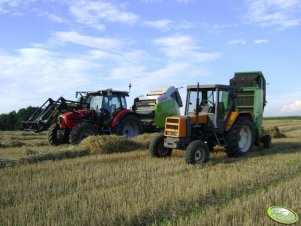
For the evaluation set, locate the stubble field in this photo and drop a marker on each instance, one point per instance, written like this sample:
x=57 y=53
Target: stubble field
x=68 y=185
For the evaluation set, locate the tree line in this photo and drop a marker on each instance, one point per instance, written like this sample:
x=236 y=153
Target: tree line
x=13 y=120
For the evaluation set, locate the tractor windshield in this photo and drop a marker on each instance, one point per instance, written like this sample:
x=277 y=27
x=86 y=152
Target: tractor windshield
x=206 y=101
x=96 y=102
x=113 y=103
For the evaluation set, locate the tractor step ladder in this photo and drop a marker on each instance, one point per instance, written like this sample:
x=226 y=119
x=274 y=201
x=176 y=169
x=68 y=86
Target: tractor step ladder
x=220 y=138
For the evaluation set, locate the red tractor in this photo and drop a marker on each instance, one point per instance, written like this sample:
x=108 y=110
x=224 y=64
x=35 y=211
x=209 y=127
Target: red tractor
x=100 y=112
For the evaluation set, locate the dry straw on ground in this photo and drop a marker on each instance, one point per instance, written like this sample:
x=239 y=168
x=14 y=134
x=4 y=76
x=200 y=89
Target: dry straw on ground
x=274 y=132
x=134 y=189
x=106 y=144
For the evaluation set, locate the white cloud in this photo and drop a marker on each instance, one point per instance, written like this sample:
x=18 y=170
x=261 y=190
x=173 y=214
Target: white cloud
x=181 y=42
x=261 y=41
x=32 y=75
x=292 y=108
x=143 y=78
x=164 y=24
x=184 y=1
x=152 y=1
x=182 y=60
x=280 y=14
x=237 y=42
x=12 y=3
x=53 y=17
x=88 y=41
x=176 y=1
x=95 y=14
x=128 y=72
x=12 y=6
x=184 y=47
x=176 y=46
x=174 y=70
x=167 y=25
x=217 y=28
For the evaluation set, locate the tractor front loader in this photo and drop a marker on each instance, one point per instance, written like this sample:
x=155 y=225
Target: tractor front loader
x=224 y=115
x=47 y=114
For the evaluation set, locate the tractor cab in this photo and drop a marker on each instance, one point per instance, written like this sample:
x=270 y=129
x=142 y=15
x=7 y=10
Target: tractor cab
x=210 y=101
x=106 y=104
x=107 y=100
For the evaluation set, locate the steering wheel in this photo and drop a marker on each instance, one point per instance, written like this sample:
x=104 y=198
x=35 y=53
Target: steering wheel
x=206 y=102
x=103 y=111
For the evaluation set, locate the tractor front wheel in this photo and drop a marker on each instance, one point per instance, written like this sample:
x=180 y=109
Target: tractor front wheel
x=157 y=149
x=57 y=136
x=129 y=126
x=197 y=152
x=81 y=131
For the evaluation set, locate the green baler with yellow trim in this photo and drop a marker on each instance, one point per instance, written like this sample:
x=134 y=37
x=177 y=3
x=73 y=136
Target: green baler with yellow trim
x=156 y=106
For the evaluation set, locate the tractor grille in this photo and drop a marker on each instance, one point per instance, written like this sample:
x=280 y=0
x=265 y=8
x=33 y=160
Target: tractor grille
x=175 y=127
x=172 y=120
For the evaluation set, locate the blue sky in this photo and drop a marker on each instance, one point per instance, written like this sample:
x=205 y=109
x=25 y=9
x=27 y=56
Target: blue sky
x=50 y=48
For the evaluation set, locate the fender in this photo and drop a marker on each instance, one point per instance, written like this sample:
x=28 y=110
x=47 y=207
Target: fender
x=233 y=116
x=119 y=115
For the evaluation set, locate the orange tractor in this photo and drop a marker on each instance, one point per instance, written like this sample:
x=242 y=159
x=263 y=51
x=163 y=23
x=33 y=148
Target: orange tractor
x=224 y=115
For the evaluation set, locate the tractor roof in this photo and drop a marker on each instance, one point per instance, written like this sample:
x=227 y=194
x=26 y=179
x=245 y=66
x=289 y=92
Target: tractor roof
x=109 y=92
x=209 y=87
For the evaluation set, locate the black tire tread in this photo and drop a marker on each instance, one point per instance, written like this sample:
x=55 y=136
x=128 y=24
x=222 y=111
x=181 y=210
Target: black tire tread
x=154 y=144
x=233 y=149
x=190 y=152
x=52 y=135
x=75 y=133
x=119 y=127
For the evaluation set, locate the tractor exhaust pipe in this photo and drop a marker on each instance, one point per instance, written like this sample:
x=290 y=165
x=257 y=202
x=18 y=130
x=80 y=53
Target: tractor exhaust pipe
x=130 y=86
x=197 y=104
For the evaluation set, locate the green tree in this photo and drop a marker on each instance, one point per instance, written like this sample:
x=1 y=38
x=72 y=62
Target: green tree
x=13 y=120
x=7 y=121
x=23 y=114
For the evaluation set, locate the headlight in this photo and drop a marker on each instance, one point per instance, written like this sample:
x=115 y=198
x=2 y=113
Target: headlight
x=60 y=120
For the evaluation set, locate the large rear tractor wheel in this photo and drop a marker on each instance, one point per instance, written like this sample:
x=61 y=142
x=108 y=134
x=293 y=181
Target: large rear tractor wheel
x=129 y=126
x=157 y=149
x=57 y=136
x=240 y=138
x=197 y=152
x=81 y=131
